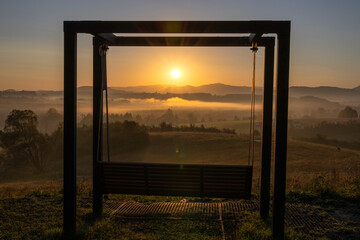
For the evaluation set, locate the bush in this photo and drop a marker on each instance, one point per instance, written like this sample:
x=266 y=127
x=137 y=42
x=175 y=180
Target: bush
x=348 y=112
x=168 y=127
x=124 y=136
x=127 y=136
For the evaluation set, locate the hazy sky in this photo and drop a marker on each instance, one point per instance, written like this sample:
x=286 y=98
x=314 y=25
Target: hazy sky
x=324 y=42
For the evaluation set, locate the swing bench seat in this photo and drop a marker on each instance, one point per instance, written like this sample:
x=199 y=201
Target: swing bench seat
x=192 y=180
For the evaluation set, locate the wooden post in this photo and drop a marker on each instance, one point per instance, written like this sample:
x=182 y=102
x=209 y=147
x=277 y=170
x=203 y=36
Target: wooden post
x=267 y=129
x=70 y=41
x=97 y=129
x=282 y=90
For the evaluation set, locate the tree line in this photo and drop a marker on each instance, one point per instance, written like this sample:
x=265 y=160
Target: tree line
x=22 y=144
x=168 y=127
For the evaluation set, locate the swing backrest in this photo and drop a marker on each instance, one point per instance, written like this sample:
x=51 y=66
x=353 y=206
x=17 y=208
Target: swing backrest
x=219 y=181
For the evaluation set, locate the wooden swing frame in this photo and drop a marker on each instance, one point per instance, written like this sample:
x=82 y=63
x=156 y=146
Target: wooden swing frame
x=103 y=33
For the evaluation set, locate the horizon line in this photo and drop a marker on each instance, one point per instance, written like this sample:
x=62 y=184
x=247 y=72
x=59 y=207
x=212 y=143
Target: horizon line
x=173 y=85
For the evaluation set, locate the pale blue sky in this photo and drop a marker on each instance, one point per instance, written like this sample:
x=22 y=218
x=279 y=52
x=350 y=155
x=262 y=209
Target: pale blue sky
x=324 y=40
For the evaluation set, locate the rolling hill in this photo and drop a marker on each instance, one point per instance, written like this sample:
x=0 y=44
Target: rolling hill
x=345 y=96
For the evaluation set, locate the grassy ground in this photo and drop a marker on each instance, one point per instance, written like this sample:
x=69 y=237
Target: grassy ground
x=35 y=212
x=220 y=148
x=304 y=158
x=318 y=175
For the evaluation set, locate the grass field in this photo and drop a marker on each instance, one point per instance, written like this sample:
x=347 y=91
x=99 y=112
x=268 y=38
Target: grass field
x=304 y=158
x=318 y=175
x=34 y=211
x=241 y=126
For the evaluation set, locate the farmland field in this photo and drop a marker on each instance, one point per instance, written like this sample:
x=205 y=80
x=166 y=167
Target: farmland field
x=318 y=175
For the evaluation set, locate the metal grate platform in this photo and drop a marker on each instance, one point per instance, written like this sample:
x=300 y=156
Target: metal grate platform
x=311 y=220
x=229 y=211
x=307 y=218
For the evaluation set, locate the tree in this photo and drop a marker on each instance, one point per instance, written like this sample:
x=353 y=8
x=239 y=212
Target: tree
x=348 y=112
x=138 y=118
x=21 y=139
x=86 y=120
x=128 y=116
x=166 y=127
x=192 y=118
x=168 y=116
x=50 y=120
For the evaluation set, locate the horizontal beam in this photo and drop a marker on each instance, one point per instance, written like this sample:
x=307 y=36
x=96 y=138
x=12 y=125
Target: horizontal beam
x=94 y=27
x=109 y=37
x=186 y=41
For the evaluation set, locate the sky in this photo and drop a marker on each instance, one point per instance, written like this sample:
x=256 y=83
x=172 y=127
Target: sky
x=324 y=43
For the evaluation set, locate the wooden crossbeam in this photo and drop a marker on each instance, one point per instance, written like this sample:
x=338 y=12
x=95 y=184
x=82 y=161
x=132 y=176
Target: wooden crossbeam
x=94 y=27
x=113 y=40
x=108 y=37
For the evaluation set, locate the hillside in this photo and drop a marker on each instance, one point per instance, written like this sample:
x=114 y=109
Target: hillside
x=216 y=88
x=318 y=102
x=315 y=195
x=344 y=96
x=357 y=88
x=341 y=95
x=335 y=94
x=304 y=158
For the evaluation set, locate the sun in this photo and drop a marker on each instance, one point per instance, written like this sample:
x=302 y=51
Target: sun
x=175 y=73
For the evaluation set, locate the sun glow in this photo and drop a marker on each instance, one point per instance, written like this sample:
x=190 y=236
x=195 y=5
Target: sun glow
x=175 y=73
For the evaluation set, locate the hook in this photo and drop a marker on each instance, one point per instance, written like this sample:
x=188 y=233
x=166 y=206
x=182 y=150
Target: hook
x=103 y=49
x=254 y=47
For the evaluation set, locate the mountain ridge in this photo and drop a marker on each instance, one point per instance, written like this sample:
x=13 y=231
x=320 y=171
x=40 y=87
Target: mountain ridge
x=346 y=96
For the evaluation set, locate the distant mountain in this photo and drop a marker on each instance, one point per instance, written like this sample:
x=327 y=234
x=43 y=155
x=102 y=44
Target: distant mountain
x=357 y=88
x=314 y=102
x=216 y=88
x=10 y=90
x=14 y=93
x=323 y=90
x=342 y=95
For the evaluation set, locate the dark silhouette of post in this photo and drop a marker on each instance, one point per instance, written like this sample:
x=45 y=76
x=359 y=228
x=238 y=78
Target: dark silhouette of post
x=267 y=129
x=97 y=128
x=70 y=41
x=282 y=90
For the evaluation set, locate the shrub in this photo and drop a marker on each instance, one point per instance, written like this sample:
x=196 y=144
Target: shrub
x=348 y=112
x=167 y=127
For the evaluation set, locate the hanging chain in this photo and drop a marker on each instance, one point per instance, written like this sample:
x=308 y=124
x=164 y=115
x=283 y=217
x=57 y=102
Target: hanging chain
x=251 y=154
x=102 y=52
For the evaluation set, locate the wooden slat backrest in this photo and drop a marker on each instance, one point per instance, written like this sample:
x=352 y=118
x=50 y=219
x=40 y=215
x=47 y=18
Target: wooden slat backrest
x=191 y=180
